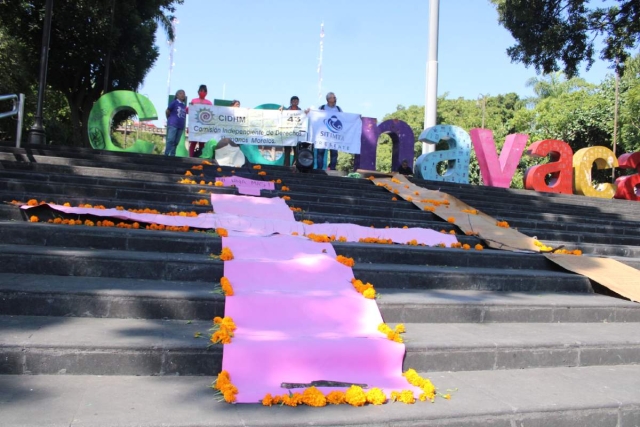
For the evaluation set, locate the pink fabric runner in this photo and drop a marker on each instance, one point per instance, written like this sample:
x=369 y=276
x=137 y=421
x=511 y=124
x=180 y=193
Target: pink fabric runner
x=256 y=207
x=238 y=225
x=299 y=320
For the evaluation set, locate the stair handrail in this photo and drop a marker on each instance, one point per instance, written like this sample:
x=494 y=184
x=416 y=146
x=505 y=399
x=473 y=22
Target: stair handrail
x=17 y=110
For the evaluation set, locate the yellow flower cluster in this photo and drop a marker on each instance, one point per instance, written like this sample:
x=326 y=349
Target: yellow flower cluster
x=428 y=389
x=395 y=180
x=188 y=173
x=224 y=386
x=223 y=328
x=225 y=284
x=349 y=262
x=226 y=254
x=201 y=202
x=186 y=181
x=222 y=232
x=366 y=289
x=503 y=224
x=542 y=246
x=404 y=396
x=568 y=252
x=219 y=184
x=392 y=334
x=412 y=242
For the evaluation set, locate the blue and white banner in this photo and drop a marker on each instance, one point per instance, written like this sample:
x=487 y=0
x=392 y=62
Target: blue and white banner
x=335 y=131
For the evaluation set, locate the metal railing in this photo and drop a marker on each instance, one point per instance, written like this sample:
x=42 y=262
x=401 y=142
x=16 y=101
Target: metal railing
x=17 y=110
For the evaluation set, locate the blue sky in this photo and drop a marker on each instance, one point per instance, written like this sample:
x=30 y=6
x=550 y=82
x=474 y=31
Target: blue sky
x=375 y=53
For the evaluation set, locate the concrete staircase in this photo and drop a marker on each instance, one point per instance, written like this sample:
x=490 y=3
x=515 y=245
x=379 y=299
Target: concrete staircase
x=97 y=324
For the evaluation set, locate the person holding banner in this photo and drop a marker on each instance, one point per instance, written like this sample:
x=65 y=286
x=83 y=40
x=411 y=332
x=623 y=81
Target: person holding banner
x=329 y=107
x=176 y=119
x=293 y=105
x=200 y=100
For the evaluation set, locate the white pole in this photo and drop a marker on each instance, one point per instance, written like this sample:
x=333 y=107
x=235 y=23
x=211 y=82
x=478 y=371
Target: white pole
x=430 y=107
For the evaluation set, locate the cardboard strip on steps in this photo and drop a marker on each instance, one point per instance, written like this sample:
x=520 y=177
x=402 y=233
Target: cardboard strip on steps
x=484 y=225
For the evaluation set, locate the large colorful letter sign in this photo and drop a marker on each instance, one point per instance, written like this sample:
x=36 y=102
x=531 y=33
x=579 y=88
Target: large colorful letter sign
x=629 y=186
x=560 y=167
x=583 y=161
x=457 y=156
x=401 y=135
x=497 y=172
x=106 y=108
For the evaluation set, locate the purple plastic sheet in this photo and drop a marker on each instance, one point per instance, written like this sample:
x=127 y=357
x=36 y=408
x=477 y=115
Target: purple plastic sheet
x=256 y=207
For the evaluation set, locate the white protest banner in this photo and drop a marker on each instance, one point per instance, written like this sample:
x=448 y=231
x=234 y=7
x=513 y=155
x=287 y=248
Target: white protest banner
x=247 y=126
x=335 y=131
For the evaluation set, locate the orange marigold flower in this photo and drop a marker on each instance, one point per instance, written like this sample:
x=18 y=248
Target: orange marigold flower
x=285 y=198
x=452 y=232
x=451 y=220
x=409 y=199
x=226 y=254
x=470 y=211
x=394 y=199
x=503 y=224
x=222 y=232
x=369 y=293
x=206 y=162
x=284 y=188
x=32 y=202
x=257 y=167
x=295 y=233
x=279 y=181
x=405 y=227
x=219 y=169
x=577 y=252
x=466 y=247
x=306 y=221
x=349 y=262
x=313 y=397
x=267 y=400
x=262 y=173
x=219 y=184
x=355 y=396
x=188 y=173
x=429 y=209
x=396 y=180
x=478 y=247
x=342 y=239
x=197 y=167
x=336 y=398
x=34 y=219
x=201 y=202
x=412 y=242
x=67 y=204
x=225 y=284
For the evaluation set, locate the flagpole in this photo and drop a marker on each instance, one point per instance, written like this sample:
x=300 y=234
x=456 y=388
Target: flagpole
x=431 y=95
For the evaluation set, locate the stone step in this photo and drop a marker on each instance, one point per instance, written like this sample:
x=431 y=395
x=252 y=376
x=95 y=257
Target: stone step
x=102 y=297
x=553 y=397
x=79 y=346
x=51 y=235
x=201 y=268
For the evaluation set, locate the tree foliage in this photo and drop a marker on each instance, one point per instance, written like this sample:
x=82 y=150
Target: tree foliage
x=553 y=35
x=84 y=38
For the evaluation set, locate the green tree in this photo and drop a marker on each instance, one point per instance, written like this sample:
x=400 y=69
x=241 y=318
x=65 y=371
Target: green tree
x=553 y=35
x=84 y=37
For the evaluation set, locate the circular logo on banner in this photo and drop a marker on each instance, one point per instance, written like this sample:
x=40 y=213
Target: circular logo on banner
x=333 y=124
x=204 y=116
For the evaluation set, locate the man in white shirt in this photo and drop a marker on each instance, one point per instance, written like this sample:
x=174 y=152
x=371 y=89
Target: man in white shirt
x=330 y=107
